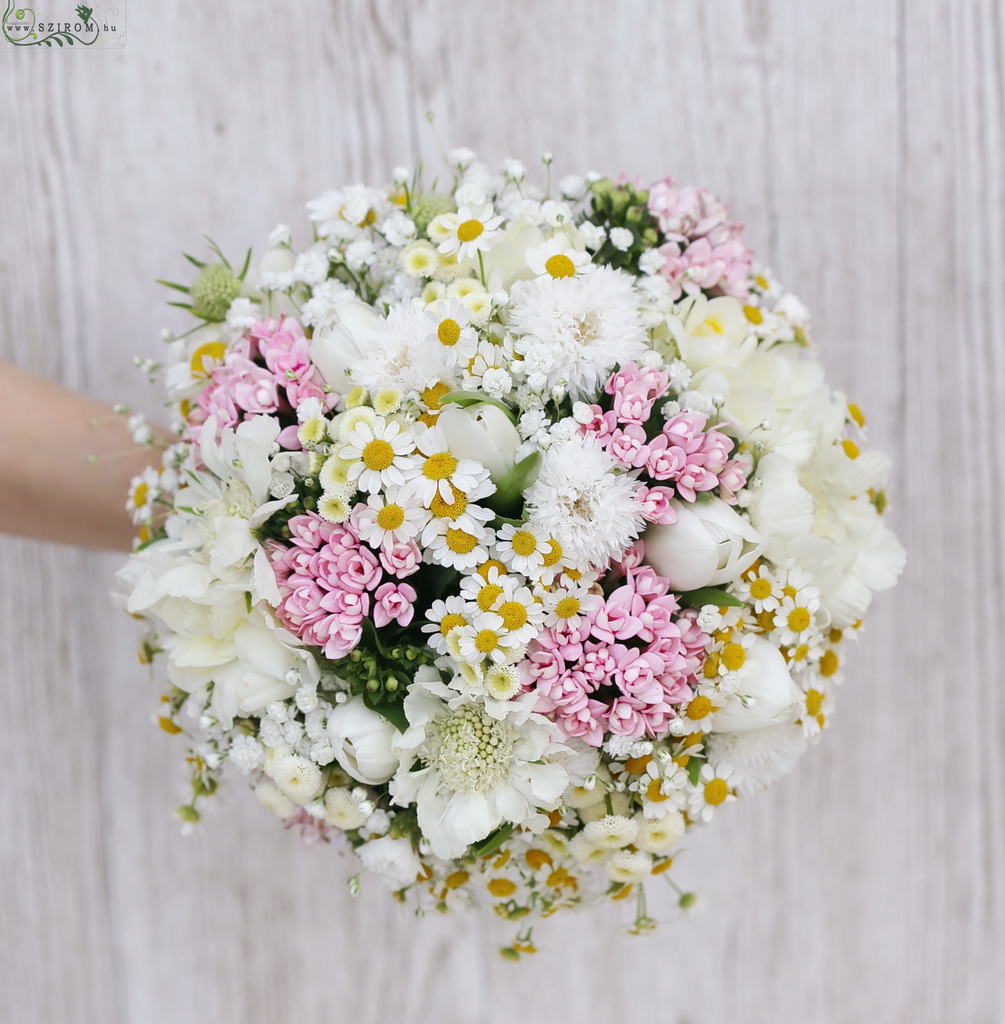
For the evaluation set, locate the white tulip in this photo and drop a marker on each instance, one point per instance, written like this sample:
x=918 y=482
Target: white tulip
x=483 y=433
x=709 y=545
x=765 y=693
x=362 y=742
x=337 y=346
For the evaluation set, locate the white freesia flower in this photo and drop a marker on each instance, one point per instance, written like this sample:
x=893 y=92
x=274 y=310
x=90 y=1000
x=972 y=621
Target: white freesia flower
x=483 y=433
x=468 y=772
x=341 y=342
x=393 y=859
x=763 y=692
x=712 y=332
x=363 y=742
x=709 y=545
x=778 y=505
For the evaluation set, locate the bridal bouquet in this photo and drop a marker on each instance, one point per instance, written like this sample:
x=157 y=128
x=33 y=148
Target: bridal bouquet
x=507 y=535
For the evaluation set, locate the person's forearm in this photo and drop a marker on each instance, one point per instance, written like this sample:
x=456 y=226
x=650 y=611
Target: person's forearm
x=50 y=487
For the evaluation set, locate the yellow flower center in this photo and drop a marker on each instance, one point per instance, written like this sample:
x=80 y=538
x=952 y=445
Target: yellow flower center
x=486 y=567
x=212 y=350
x=856 y=414
x=637 y=765
x=698 y=708
x=501 y=887
x=390 y=517
x=469 y=230
x=460 y=541
x=733 y=656
x=448 y=509
x=574 y=574
x=448 y=332
x=753 y=314
x=814 y=702
x=801 y=652
x=537 y=859
x=451 y=621
x=711 y=667
x=553 y=553
x=716 y=791
x=851 y=449
x=567 y=607
x=486 y=641
x=456 y=879
x=140 y=494
x=488 y=596
x=514 y=615
x=798 y=619
x=654 y=792
x=439 y=466
x=760 y=589
x=378 y=455
x=560 y=265
x=431 y=396
x=524 y=543
x=829 y=663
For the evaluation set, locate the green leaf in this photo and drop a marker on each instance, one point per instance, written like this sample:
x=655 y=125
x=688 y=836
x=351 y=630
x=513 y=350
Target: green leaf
x=181 y=305
x=709 y=595
x=508 y=496
x=492 y=842
x=244 y=269
x=195 y=263
x=393 y=712
x=177 y=287
x=466 y=398
x=694 y=768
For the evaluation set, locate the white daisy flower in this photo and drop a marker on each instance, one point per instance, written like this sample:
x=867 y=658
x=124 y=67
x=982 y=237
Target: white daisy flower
x=437 y=473
x=522 y=615
x=487 y=639
x=380 y=454
x=759 y=587
x=715 y=786
x=487 y=592
x=389 y=518
x=466 y=772
x=451 y=334
x=795 y=618
x=521 y=549
x=456 y=547
x=557 y=257
x=696 y=715
x=662 y=788
x=817 y=706
x=459 y=513
x=487 y=356
x=465 y=233
x=591 y=322
x=444 y=615
x=584 y=503
x=567 y=605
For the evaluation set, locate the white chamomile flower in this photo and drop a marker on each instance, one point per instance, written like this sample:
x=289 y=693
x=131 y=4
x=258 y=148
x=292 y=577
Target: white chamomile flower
x=437 y=473
x=795 y=618
x=521 y=549
x=522 y=615
x=557 y=257
x=662 y=788
x=696 y=715
x=817 y=706
x=729 y=657
x=487 y=356
x=487 y=639
x=420 y=258
x=444 y=615
x=465 y=233
x=380 y=453
x=456 y=547
x=566 y=606
x=459 y=513
x=760 y=588
x=450 y=332
x=390 y=518
x=715 y=786
x=143 y=494
x=486 y=592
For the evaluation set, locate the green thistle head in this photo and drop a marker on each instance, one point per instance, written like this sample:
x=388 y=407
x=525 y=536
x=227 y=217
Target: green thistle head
x=213 y=291
x=428 y=205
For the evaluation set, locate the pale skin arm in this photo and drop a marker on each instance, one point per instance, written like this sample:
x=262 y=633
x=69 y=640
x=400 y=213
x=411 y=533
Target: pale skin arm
x=50 y=487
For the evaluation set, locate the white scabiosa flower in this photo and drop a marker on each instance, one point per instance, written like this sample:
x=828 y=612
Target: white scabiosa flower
x=393 y=860
x=342 y=811
x=657 y=835
x=270 y=797
x=297 y=777
x=628 y=866
x=612 y=832
x=467 y=772
x=591 y=322
x=581 y=500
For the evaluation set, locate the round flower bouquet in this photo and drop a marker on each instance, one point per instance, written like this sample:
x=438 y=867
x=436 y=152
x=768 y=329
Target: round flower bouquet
x=508 y=533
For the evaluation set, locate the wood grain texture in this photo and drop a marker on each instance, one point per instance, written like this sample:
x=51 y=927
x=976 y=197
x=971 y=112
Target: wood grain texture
x=863 y=143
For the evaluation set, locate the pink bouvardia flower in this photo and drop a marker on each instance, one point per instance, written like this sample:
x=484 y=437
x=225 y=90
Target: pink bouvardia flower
x=326 y=578
x=287 y=354
x=704 y=250
x=624 y=668
x=393 y=602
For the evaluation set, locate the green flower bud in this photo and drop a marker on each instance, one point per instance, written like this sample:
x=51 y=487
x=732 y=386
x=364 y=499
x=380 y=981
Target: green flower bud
x=429 y=205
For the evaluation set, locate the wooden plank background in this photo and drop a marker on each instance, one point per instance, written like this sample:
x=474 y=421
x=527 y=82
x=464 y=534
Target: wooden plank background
x=862 y=143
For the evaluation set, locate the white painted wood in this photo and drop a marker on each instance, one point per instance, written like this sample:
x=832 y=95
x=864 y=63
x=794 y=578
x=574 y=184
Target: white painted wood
x=862 y=143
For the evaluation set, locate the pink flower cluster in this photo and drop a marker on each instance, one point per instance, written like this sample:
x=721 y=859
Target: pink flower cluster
x=625 y=666
x=704 y=250
x=329 y=580
x=683 y=453
x=241 y=386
